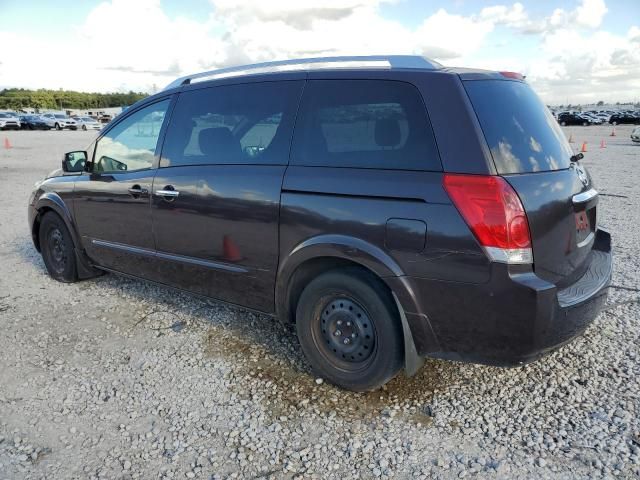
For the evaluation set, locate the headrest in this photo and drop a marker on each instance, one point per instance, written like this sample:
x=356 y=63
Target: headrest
x=218 y=142
x=387 y=132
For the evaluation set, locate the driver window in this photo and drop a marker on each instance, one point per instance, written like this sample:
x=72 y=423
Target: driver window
x=131 y=144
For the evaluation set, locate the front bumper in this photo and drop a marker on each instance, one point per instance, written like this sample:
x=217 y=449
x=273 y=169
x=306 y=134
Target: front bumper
x=513 y=319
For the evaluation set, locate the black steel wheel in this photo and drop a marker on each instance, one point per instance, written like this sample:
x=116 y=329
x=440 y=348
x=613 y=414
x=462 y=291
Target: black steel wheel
x=349 y=329
x=57 y=248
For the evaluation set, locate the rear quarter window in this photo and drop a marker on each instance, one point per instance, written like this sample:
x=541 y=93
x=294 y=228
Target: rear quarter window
x=521 y=132
x=364 y=124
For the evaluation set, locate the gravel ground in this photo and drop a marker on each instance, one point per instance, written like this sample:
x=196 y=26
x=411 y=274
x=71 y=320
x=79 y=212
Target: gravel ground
x=114 y=378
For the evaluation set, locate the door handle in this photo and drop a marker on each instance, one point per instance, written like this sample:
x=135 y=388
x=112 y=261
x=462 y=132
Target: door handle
x=168 y=193
x=136 y=191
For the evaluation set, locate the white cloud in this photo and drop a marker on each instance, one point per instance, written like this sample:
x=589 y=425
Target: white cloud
x=125 y=45
x=590 y=13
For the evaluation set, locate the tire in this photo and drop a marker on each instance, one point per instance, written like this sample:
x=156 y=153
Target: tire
x=57 y=248
x=348 y=327
x=57 y=126
x=584 y=124
x=614 y=123
x=84 y=127
x=563 y=123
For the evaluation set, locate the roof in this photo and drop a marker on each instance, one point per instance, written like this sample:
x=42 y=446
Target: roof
x=381 y=62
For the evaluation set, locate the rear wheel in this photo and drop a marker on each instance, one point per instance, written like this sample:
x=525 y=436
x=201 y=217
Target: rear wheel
x=563 y=123
x=584 y=124
x=57 y=248
x=84 y=127
x=349 y=329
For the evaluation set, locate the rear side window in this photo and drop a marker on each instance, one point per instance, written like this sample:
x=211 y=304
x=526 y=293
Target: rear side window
x=234 y=124
x=364 y=124
x=521 y=132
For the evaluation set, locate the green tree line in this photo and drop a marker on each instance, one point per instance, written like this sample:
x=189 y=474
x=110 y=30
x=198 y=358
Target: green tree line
x=17 y=98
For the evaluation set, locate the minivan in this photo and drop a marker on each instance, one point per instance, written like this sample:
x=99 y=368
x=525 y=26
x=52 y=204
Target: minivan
x=387 y=208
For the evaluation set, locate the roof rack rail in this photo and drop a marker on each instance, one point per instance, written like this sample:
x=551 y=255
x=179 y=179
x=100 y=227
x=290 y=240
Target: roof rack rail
x=308 y=64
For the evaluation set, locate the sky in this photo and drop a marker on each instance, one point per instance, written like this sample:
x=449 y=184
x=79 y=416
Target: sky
x=572 y=51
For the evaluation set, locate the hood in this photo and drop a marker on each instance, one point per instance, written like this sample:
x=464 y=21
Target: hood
x=55 y=173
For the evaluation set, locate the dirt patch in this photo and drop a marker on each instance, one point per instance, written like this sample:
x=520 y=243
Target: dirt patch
x=287 y=389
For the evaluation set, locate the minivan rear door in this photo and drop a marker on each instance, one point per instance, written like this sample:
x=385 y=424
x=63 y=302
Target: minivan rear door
x=531 y=152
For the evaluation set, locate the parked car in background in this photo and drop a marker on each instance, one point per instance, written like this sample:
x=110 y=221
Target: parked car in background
x=573 y=119
x=592 y=119
x=9 y=121
x=88 y=123
x=635 y=135
x=59 y=121
x=624 y=118
x=331 y=193
x=33 y=122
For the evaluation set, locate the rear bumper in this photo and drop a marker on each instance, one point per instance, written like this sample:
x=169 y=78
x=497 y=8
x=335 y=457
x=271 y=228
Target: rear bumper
x=513 y=319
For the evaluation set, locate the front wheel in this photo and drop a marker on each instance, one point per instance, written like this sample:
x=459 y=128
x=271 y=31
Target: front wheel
x=58 y=127
x=349 y=330
x=563 y=123
x=84 y=127
x=584 y=124
x=57 y=248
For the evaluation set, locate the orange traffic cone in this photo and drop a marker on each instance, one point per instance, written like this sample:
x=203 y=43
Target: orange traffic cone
x=602 y=144
x=230 y=251
x=7 y=143
x=584 y=147
x=613 y=132
x=571 y=138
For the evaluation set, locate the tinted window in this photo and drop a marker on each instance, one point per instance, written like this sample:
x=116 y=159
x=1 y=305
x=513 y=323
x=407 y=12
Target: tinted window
x=364 y=124
x=131 y=143
x=234 y=124
x=521 y=132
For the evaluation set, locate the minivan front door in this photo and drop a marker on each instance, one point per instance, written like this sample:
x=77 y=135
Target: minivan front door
x=112 y=199
x=216 y=196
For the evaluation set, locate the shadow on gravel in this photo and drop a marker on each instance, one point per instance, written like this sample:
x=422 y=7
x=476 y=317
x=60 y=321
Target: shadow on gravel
x=261 y=348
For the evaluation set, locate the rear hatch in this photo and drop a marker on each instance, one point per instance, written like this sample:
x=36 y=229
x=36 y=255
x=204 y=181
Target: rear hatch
x=531 y=152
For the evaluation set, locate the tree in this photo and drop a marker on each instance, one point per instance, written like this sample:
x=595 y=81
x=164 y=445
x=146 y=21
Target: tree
x=600 y=103
x=18 y=98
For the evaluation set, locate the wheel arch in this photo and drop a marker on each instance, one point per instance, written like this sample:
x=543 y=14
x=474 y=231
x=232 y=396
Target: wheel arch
x=329 y=252
x=52 y=202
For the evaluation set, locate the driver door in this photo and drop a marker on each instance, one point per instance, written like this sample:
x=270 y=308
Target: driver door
x=112 y=200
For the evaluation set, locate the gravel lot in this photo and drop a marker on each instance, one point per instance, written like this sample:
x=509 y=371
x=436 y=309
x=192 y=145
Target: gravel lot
x=114 y=378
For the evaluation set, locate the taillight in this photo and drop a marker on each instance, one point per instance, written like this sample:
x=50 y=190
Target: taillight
x=494 y=212
x=514 y=75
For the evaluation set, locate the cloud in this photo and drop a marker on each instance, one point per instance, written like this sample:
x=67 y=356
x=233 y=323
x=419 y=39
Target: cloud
x=590 y=13
x=148 y=47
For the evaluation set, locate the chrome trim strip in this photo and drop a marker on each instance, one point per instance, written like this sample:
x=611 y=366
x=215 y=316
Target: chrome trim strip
x=166 y=193
x=171 y=257
x=585 y=196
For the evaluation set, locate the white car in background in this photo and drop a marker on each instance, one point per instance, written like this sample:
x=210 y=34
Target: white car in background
x=635 y=135
x=9 y=120
x=59 y=121
x=87 y=123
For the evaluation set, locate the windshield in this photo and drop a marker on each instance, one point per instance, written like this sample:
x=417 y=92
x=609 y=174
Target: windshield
x=87 y=119
x=4 y=115
x=60 y=116
x=521 y=132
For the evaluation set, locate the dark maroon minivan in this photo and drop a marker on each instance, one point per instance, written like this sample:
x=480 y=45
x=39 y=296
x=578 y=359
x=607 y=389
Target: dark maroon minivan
x=388 y=207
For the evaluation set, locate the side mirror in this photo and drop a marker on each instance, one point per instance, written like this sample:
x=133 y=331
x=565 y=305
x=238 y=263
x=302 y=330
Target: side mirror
x=74 y=161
